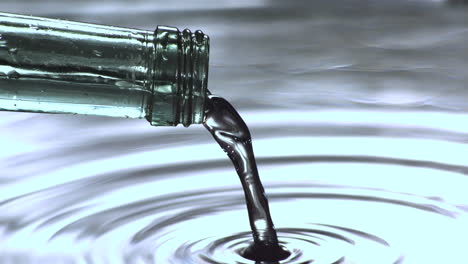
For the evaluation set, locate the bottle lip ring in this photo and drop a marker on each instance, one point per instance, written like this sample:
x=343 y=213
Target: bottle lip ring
x=180 y=77
x=199 y=74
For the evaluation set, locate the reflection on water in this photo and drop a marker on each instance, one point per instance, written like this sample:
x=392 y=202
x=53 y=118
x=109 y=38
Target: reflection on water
x=363 y=100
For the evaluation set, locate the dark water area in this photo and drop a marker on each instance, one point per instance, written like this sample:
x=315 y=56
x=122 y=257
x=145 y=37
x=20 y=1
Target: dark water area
x=357 y=111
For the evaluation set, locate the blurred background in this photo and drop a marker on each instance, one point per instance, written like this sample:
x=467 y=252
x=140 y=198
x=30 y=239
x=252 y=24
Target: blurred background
x=360 y=104
x=403 y=53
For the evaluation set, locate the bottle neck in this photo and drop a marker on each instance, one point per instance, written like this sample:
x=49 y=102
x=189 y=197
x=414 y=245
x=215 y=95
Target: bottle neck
x=179 y=76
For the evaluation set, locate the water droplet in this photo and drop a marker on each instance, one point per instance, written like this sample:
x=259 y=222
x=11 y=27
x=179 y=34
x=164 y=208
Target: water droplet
x=13 y=75
x=97 y=53
x=124 y=84
x=13 y=51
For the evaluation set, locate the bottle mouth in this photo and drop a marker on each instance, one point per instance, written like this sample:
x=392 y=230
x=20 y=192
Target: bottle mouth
x=180 y=77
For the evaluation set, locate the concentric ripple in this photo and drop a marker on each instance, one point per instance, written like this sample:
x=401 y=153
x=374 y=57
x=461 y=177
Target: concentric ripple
x=360 y=198
x=309 y=242
x=181 y=216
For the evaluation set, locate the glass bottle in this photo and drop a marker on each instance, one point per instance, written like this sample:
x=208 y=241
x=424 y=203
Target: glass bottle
x=57 y=66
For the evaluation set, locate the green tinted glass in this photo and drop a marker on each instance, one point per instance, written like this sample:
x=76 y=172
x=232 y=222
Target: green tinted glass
x=58 y=66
